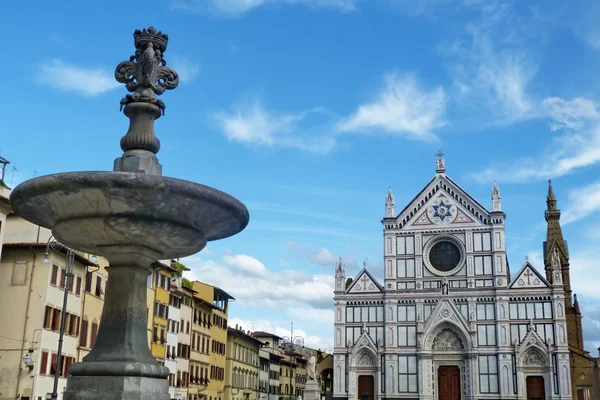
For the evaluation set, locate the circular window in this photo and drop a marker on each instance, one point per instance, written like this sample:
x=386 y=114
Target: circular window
x=444 y=255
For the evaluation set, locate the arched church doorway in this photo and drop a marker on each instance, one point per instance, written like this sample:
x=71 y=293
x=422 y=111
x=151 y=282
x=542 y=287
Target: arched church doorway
x=366 y=387
x=449 y=382
x=535 y=388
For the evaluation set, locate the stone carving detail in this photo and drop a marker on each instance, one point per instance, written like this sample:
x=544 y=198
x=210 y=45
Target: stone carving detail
x=447 y=339
x=365 y=361
x=445 y=313
x=146 y=73
x=534 y=358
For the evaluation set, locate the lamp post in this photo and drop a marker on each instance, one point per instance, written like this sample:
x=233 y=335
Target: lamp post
x=289 y=344
x=54 y=245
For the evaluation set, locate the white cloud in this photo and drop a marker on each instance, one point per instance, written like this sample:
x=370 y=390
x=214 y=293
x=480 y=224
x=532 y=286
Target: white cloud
x=250 y=123
x=585 y=273
x=401 y=108
x=238 y=8
x=323 y=257
x=245 y=264
x=583 y=201
x=68 y=77
x=323 y=342
x=577 y=146
x=272 y=290
x=186 y=69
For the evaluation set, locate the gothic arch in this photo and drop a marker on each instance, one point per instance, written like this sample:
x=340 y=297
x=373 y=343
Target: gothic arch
x=338 y=337
x=463 y=337
x=339 y=314
x=390 y=337
x=363 y=358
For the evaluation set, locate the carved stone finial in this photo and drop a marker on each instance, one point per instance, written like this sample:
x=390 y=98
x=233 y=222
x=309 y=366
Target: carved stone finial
x=440 y=164
x=146 y=73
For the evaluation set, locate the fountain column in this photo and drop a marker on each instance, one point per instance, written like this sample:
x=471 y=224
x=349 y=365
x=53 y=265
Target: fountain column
x=133 y=216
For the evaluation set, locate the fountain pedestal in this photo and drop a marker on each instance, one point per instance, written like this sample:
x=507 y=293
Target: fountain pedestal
x=133 y=217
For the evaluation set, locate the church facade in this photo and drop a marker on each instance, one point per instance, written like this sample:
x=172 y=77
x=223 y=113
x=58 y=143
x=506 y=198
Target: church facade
x=448 y=322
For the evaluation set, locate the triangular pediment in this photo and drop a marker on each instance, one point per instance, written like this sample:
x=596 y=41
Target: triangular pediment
x=528 y=278
x=446 y=311
x=532 y=351
x=364 y=283
x=442 y=203
x=364 y=352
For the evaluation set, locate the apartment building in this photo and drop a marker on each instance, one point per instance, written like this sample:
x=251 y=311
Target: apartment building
x=200 y=346
x=162 y=284
x=32 y=286
x=242 y=365
x=184 y=342
x=270 y=350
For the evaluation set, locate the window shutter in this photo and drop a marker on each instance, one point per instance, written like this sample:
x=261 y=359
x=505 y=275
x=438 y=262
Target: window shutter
x=44 y=363
x=53 y=365
x=94 y=334
x=77 y=326
x=84 y=331
x=71 y=281
x=48 y=317
x=56 y=320
x=78 y=287
x=54 y=274
x=88 y=281
x=62 y=278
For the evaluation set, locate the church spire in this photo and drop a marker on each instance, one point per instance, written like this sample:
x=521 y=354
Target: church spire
x=440 y=164
x=340 y=276
x=496 y=204
x=390 y=204
x=551 y=198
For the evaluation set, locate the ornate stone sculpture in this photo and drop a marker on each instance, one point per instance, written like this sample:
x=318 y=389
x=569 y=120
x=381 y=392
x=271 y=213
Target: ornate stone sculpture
x=311 y=367
x=146 y=73
x=534 y=358
x=447 y=340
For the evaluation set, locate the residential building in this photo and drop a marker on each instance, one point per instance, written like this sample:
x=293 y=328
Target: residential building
x=173 y=327
x=33 y=292
x=300 y=376
x=184 y=342
x=242 y=365
x=218 y=336
x=448 y=321
x=286 y=378
x=162 y=282
x=270 y=350
x=200 y=359
x=263 y=375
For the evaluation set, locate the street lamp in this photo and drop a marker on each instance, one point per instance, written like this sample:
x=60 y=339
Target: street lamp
x=54 y=245
x=289 y=344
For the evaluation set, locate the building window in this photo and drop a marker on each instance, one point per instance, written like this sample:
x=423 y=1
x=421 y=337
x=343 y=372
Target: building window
x=94 y=334
x=54 y=276
x=482 y=242
x=88 y=282
x=427 y=310
x=44 y=363
x=407 y=336
x=84 y=333
x=407 y=374
x=527 y=311
x=488 y=374
x=405 y=245
x=486 y=335
x=483 y=265
x=407 y=313
x=405 y=268
x=98 y=285
x=364 y=314
x=486 y=311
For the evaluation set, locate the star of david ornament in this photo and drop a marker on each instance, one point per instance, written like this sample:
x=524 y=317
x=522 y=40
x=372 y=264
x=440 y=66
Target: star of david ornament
x=442 y=211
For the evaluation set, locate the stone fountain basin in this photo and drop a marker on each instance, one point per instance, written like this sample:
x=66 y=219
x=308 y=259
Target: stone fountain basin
x=106 y=212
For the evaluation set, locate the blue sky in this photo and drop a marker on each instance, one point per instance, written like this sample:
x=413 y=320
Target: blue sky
x=307 y=110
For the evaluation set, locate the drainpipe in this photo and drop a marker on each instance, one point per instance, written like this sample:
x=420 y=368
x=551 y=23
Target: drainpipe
x=23 y=340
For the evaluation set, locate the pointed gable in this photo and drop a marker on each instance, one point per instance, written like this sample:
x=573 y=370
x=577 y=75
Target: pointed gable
x=364 y=283
x=442 y=202
x=528 y=278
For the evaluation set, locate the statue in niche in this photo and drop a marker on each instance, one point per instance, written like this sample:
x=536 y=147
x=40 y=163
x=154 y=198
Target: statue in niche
x=447 y=340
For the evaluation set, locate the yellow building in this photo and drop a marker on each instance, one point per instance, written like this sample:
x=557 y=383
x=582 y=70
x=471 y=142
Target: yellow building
x=218 y=334
x=242 y=368
x=32 y=289
x=200 y=347
x=162 y=282
x=300 y=377
x=287 y=368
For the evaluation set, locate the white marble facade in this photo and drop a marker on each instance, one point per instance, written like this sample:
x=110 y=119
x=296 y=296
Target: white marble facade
x=448 y=317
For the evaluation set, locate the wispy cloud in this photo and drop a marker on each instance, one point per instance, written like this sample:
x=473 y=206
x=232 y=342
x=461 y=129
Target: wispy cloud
x=323 y=257
x=186 y=69
x=250 y=123
x=576 y=147
x=291 y=210
x=583 y=202
x=312 y=229
x=401 y=108
x=238 y=8
x=61 y=75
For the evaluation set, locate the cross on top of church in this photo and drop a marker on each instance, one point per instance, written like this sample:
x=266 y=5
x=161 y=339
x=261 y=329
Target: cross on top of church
x=364 y=280
x=528 y=274
x=440 y=164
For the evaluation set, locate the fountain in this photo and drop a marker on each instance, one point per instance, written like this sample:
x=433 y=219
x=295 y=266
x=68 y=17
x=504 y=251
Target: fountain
x=133 y=216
